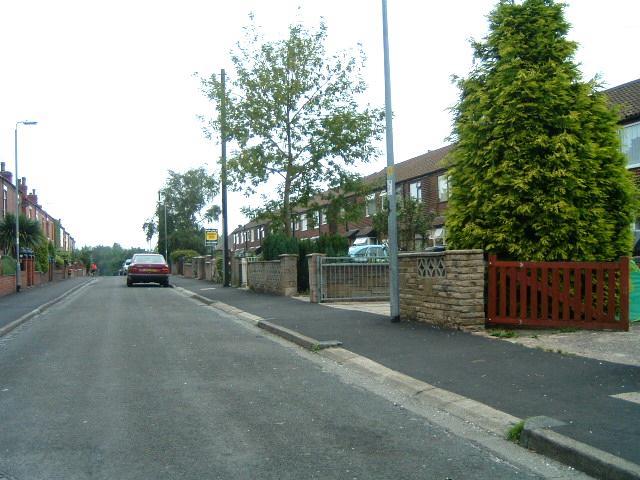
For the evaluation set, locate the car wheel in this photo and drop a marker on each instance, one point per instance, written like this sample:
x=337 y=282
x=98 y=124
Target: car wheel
x=129 y=283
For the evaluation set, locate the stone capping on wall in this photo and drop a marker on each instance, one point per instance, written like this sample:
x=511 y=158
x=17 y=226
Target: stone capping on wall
x=453 y=296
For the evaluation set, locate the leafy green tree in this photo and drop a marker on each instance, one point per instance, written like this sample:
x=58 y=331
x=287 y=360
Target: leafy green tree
x=292 y=110
x=537 y=170
x=41 y=251
x=30 y=233
x=187 y=197
x=412 y=220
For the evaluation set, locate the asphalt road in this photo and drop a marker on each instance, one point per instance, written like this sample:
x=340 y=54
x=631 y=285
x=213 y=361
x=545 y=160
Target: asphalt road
x=143 y=383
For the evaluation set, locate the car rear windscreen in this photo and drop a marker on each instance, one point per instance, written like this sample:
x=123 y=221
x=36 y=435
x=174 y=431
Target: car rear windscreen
x=149 y=259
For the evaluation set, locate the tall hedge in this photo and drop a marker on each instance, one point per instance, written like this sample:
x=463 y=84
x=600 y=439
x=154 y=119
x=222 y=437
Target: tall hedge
x=537 y=170
x=277 y=244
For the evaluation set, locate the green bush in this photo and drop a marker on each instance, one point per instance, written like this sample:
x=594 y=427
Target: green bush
x=176 y=255
x=277 y=244
x=7 y=265
x=333 y=245
x=42 y=257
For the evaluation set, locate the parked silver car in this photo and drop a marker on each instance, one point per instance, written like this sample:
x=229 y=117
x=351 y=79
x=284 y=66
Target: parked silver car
x=369 y=253
x=125 y=266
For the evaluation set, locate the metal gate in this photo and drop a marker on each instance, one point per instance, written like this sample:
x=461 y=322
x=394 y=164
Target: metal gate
x=344 y=278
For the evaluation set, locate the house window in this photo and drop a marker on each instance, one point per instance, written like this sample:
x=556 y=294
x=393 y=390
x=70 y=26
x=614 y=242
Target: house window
x=630 y=143
x=304 y=222
x=443 y=188
x=370 y=205
x=383 y=200
x=4 y=200
x=399 y=193
x=322 y=216
x=415 y=190
x=437 y=236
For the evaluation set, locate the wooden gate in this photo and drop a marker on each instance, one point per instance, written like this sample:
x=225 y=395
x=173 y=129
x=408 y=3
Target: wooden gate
x=590 y=295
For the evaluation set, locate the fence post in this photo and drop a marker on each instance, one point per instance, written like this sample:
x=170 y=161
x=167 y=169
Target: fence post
x=624 y=292
x=493 y=292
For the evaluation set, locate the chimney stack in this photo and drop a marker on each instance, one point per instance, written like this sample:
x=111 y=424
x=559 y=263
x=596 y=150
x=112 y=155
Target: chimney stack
x=23 y=186
x=33 y=198
x=8 y=176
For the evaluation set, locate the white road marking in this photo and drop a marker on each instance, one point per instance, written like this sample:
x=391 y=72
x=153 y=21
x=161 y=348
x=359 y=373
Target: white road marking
x=210 y=288
x=629 y=397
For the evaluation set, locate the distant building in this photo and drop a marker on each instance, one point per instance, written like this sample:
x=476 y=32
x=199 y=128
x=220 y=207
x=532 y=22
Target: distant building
x=32 y=209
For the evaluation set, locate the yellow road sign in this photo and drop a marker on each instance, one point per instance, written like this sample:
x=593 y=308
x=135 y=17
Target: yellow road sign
x=211 y=235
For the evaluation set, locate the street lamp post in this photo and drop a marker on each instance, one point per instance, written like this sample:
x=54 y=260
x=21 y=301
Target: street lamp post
x=394 y=293
x=166 y=256
x=24 y=122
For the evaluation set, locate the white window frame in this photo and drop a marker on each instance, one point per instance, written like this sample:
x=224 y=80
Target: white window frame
x=304 y=222
x=5 y=200
x=415 y=190
x=443 y=193
x=370 y=205
x=623 y=147
x=383 y=199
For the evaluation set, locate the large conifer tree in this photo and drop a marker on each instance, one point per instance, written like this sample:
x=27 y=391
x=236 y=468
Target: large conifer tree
x=537 y=171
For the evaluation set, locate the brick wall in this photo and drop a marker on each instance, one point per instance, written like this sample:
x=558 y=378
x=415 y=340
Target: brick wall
x=7 y=284
x=277 y=276
x=442 y=288
x=430 y=194
x=39 y=278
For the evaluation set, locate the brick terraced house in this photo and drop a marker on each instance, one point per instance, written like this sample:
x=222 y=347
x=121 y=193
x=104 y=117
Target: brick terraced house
x=32 y=209
x=424 y=178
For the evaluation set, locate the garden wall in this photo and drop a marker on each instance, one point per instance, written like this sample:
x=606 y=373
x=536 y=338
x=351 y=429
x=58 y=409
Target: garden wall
x=7 y=284
x=276 y=276
x=442 y=288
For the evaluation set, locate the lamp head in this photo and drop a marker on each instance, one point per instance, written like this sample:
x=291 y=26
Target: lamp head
x=29 y=122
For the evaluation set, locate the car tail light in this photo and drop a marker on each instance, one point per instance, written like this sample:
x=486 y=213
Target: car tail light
x=165 y=269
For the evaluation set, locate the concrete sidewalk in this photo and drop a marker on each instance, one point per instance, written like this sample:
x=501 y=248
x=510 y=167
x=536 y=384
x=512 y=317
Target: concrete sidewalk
x=16 y=305
x=593 y=401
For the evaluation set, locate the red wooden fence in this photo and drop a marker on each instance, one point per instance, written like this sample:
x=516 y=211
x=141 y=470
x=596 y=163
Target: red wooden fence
x=590 y=295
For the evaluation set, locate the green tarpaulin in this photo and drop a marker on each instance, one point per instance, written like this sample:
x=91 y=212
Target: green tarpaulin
x=634 y=293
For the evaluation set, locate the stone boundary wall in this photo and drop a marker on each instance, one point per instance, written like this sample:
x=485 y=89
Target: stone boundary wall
x=275 y=276
x=235 y=272
x=443 y=288
x=187 y=270
x=198 y=266
x=211 y=269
